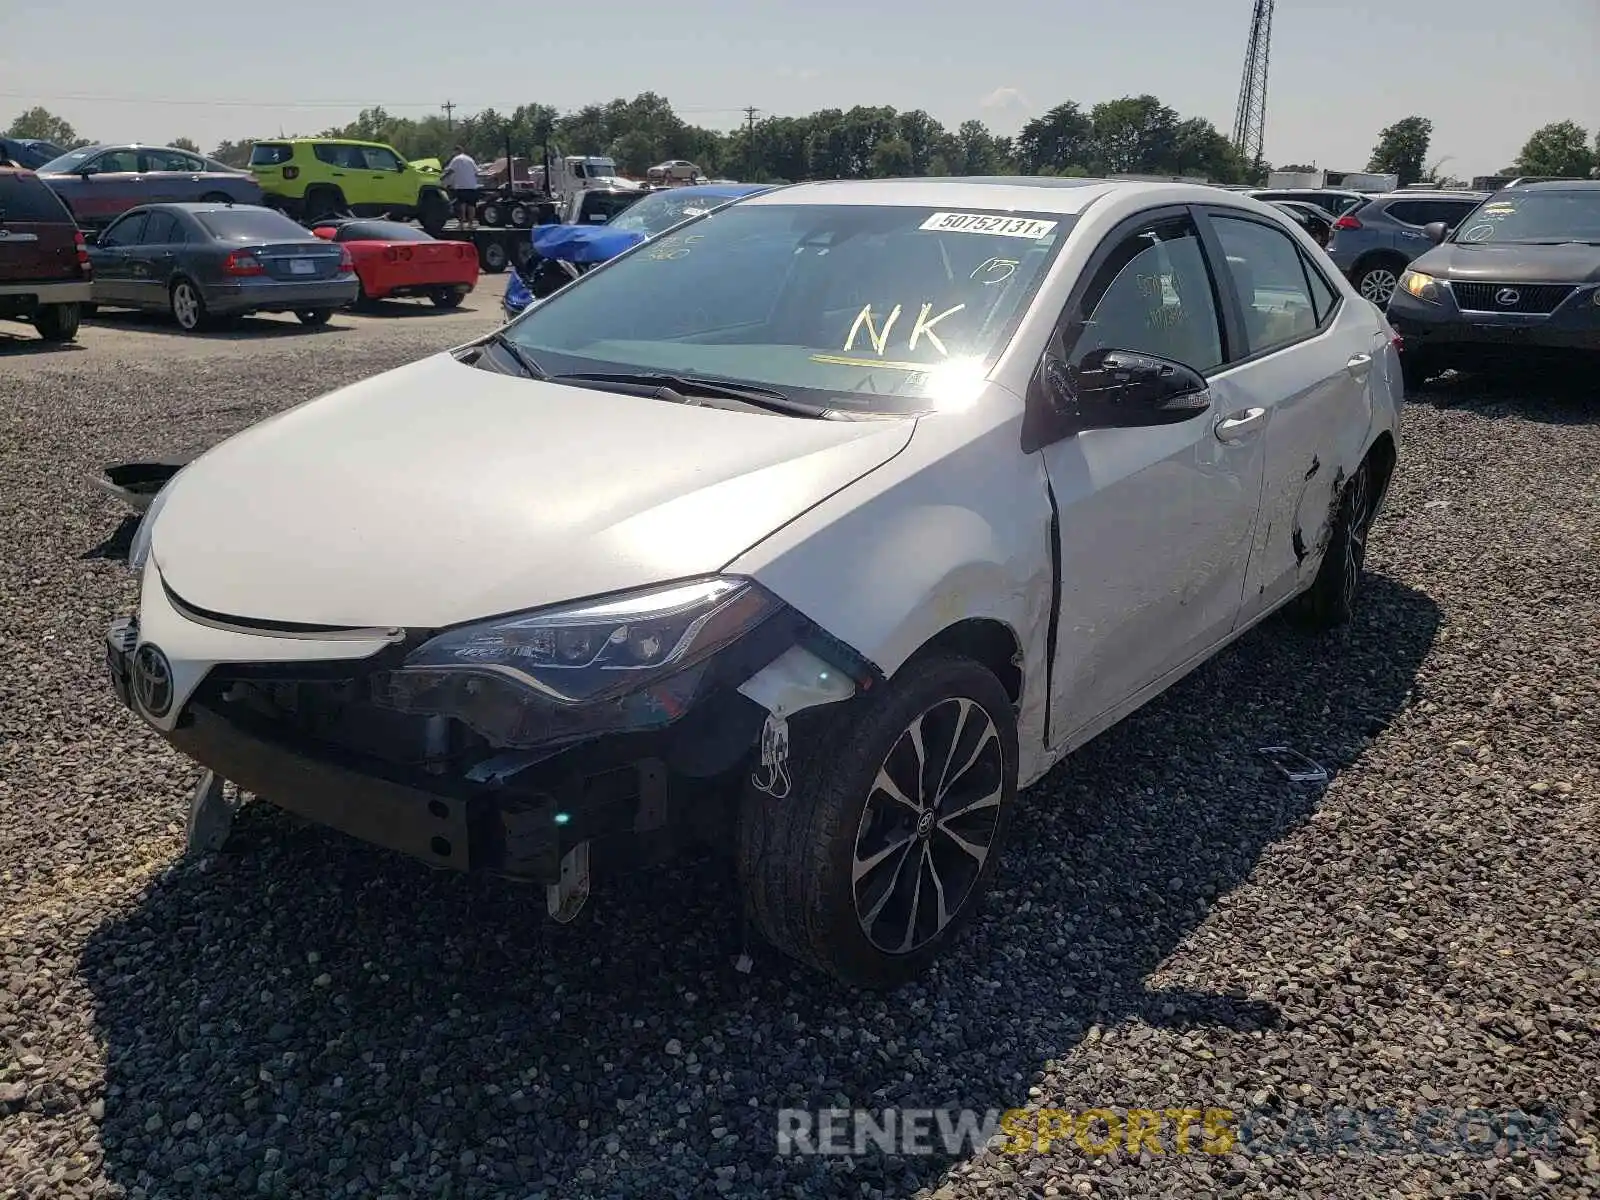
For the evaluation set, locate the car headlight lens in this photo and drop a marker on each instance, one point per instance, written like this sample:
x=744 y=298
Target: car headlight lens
x=1423 y=287
x=629 y=662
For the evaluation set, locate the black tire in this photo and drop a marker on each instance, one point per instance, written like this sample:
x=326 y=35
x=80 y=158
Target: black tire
x=1377 y=280
x=798 y=855
x=492 y=257
x=322 y=202
x=187 y=305
x=314 y=317
x=492 y=212
x=521 y=254
x=1331 y=599
x=433 y=211
x=58 y=322
x=446 y=298
x=520 y=216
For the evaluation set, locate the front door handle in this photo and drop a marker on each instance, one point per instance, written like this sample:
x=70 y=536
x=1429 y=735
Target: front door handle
x=1359 y=364
x=1237 y=425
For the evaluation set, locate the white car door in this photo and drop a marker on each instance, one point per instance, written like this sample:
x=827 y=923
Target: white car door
x=1310 y=358
x=1155 y=522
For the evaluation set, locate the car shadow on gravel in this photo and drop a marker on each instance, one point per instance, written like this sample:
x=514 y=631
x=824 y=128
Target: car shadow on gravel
x=404 y=309
x=20 y=344
x=307 y=1016
x=250 y=328
x=1552 y=393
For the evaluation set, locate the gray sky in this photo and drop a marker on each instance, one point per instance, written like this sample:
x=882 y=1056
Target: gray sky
x=1486 y=72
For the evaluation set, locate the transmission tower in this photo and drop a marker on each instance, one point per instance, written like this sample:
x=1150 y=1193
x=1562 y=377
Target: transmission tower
x=1250 y=119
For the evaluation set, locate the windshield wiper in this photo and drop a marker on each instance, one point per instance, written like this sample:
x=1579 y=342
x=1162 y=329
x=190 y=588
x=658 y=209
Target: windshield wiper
x=516 y=353
x=680 y=387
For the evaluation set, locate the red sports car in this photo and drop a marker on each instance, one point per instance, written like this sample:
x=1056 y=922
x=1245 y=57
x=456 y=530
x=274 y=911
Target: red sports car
x=401 y=260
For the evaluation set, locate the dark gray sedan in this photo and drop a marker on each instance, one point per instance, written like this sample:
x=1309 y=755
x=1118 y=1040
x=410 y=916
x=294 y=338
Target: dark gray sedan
x=99 y=183
x=202 y=262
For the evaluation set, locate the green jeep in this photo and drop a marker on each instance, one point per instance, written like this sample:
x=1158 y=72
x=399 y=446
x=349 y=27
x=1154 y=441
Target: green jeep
x=309 y=178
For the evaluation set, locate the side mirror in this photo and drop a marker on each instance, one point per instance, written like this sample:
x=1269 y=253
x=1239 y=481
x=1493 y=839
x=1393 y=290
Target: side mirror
x=86 y=171
x=1120 y=389
x=91 y=237
x=1437 y=231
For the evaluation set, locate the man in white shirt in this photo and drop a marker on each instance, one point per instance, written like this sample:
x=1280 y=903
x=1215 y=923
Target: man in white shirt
x=461 y=177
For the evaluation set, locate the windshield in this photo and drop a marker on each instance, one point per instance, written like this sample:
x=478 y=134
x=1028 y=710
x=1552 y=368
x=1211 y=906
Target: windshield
x=250 y=225
x=658 y=213
x=845 y=306
x=69 y=162
x=1519 y=217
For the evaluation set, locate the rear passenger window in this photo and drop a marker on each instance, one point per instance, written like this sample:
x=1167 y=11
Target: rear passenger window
x=1324 y=297
x=1412 y=212
x=125 y=232
x=1269 y=274
x=1153 y=296
x=270 y=154
x=27 y=198
x=160 y=230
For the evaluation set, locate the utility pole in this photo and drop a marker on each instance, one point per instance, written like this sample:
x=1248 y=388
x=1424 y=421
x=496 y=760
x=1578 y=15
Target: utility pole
x=449 y=116
x=750 y=139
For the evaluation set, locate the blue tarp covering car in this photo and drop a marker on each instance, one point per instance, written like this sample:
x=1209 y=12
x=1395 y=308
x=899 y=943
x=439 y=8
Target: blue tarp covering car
x=572 y=248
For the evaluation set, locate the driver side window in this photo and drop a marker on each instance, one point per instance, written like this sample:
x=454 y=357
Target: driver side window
x=1153 y=295
x=125 y=232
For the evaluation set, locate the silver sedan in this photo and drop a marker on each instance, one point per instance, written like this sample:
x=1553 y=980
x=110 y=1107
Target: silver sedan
x=203 y=262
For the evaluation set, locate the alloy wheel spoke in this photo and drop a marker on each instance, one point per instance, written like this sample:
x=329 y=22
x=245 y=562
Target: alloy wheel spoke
x=942 y=912
x=889 y=890
x=885 y=783
x=921 y=749
x=864 y=866
x=977 y=853
x=989 y=735
x=963 y=707
x=913 y=910
x=990 y=800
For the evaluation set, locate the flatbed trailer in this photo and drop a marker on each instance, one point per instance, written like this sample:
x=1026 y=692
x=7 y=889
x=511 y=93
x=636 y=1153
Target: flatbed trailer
x=498 y=247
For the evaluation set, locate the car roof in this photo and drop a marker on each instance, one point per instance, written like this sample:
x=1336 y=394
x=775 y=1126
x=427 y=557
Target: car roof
x=199 y=207
x=1429 y=194
x=321 y=141
x=1558 y=185
x=1035 y=193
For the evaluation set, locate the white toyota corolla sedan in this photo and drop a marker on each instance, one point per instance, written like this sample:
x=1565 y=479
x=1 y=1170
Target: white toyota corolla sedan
x=814 y=530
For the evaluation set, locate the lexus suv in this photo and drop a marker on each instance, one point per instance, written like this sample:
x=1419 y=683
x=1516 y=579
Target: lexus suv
x=44 y=265
x=1372 y=242
x=1519 y=276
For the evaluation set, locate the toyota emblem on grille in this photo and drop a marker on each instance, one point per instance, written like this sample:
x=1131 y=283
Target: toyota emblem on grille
x=152 y=680
x=1506 y=297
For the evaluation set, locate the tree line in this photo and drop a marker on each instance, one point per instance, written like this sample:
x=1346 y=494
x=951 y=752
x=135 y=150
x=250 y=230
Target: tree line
x=1133 y=135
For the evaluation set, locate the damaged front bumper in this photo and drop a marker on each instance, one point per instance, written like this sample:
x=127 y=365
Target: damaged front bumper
x=305 y=733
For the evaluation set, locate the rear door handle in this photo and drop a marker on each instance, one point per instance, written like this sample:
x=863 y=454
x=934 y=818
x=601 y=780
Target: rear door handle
x=1237 y=425
x=1359 y=364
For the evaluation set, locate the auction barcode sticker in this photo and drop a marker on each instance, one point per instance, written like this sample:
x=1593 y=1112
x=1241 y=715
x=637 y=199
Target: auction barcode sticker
x=1018 y=227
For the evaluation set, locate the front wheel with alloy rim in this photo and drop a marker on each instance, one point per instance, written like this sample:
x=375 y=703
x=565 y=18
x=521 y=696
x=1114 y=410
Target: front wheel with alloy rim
x=1377 y=283
x=1330 y=601
x=188 y=306
x=891 y=831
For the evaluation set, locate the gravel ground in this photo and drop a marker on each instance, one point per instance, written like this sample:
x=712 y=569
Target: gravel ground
x=1176 y=925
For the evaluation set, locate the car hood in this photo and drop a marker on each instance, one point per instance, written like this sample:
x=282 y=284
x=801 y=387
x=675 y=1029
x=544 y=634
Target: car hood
x=440 y=493
x=1512 y=264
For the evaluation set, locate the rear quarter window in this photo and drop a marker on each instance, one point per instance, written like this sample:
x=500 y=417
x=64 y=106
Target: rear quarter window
x=27 y=198
x=270 y=154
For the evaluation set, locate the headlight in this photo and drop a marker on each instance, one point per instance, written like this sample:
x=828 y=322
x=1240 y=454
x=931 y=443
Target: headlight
x=1423 y=287
x=632 y=662
x=139 y=548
